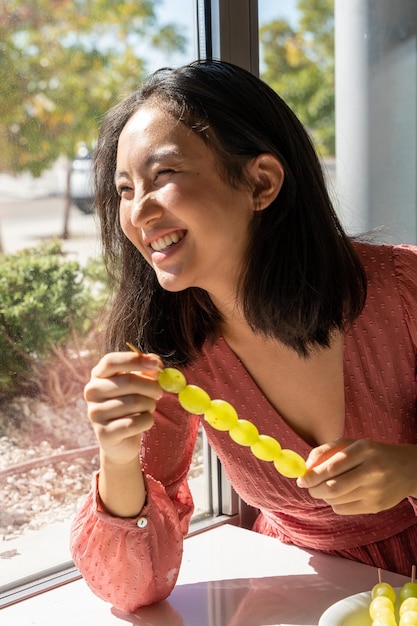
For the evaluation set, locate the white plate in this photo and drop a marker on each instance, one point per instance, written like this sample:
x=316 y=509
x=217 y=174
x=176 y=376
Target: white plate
x=352 y=611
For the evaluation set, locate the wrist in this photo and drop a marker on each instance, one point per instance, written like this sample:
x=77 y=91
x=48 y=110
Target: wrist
x=121 y=486
x=114 y=463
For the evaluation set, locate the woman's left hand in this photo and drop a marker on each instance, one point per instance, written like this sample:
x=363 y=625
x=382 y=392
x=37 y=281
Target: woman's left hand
x=361 y=476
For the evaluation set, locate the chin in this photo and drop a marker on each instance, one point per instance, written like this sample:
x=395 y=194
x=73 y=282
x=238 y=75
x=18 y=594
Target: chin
x=172 y=285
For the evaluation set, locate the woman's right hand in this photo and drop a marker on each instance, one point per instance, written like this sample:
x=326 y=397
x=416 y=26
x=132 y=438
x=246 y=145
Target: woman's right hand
x=121 y=397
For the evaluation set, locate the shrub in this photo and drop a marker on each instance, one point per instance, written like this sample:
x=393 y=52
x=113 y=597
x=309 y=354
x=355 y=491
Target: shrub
x=46 y=300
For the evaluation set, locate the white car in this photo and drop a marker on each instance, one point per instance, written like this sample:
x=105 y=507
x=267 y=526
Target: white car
x=81 y=183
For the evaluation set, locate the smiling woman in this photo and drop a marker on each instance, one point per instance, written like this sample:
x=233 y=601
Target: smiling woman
x=229 y=262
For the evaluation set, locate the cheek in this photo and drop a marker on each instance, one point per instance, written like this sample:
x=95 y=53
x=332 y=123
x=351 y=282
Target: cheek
x=132 y=233
x=125 y=223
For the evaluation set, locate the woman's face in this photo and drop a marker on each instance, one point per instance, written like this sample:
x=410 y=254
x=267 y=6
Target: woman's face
x=188 y=223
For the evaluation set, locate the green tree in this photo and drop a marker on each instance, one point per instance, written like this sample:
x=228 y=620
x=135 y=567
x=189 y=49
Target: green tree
x=299 y=65
x=63 y=63
x=47 y=302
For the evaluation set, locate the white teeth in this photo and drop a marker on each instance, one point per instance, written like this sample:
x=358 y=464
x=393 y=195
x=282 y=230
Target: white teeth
x=164 y=242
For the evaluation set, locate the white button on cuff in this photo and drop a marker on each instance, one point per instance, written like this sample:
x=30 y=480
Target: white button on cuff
x=142 y=522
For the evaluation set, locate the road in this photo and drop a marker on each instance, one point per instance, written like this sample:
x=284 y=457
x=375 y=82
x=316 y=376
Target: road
x=25 y=222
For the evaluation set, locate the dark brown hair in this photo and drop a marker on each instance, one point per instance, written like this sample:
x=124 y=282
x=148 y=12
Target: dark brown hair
x=301 y=279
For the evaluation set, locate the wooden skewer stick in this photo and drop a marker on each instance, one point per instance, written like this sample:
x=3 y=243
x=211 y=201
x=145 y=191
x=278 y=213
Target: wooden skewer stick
x=139 y=353
x=133 y=348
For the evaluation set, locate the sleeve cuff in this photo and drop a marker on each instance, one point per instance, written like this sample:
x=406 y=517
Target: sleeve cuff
x=153 y=488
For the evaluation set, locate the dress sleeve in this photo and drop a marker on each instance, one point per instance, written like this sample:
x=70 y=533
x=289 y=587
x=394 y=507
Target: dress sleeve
x=132 y=562
x=405 y=263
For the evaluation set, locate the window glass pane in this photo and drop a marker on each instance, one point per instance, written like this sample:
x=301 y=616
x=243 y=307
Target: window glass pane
x=349 y=71
x=297 y=60
x=376 y=104
x=62 y=66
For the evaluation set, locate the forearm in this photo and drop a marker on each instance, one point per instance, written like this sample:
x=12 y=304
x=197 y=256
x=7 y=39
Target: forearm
x=121 y=487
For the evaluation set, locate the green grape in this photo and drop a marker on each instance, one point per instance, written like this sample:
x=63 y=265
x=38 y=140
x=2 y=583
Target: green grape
x=409 y=604
x=245 y=433
x=384 y=589
x=408 y=618
x=387 y=619
x=384 y=617
x=290 y=464
x=194 y=399
x=380 y=602
x=266 y=448
x=409 y=590
x=172 y=380
x=221 y=415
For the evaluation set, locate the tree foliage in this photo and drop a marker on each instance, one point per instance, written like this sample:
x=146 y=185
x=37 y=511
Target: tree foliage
x=63 y=63
x=299 y=65
x=45 y=300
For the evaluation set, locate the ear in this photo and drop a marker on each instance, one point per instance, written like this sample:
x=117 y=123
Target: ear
x=267 y=175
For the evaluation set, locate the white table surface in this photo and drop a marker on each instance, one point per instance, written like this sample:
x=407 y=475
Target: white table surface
x=229 y=577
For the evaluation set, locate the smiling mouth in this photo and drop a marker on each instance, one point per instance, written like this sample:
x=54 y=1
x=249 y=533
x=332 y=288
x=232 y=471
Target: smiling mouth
x=163 y=243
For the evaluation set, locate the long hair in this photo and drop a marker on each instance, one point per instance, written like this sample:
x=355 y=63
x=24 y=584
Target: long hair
x=301 y=279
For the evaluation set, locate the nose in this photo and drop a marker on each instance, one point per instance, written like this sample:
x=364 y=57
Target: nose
x=144 y=209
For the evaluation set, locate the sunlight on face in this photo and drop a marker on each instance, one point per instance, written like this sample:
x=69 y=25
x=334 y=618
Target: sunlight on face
x=175 y=207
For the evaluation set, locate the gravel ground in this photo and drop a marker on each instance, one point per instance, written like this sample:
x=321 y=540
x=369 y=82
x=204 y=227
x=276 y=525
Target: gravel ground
x=47 y=457
x=38 y=492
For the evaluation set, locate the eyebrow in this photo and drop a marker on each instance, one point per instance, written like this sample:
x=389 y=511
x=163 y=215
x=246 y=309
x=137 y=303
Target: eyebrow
x=154 y=157
x=163 y=153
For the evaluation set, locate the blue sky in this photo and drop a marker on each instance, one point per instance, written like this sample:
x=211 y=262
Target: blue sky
x=173 y=10
x=272 y=9
x=181 y=12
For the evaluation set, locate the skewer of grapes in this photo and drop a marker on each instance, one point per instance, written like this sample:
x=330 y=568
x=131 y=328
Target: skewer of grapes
x=222 y=416
x=382 y=607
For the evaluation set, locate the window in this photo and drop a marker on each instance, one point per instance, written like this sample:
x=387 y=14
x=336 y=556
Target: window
x=349 y=72
x=376 y=120
x=68 y=66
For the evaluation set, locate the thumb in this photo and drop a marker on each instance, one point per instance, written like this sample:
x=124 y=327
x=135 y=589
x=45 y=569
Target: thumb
x=318 y=456
x=325 y=451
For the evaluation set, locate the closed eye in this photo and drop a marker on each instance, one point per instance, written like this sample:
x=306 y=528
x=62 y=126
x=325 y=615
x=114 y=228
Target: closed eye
x=123 y=190
x=162 y=173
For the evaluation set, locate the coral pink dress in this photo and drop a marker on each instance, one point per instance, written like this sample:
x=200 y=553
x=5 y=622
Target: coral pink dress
x=133 y=562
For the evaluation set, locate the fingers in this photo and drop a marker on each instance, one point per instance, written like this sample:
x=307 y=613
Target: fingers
x=119 y=362
x=121 y=397
x=105 y=410
x=334 y=475
x=327 y=461
x=326 y=451
x=119 y=439
x=345 y=488
x=121 y=385
x=125 y=377
x=360 y=476
x=114 y=432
